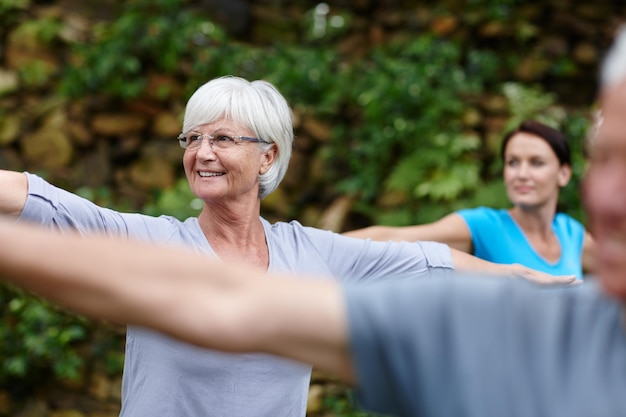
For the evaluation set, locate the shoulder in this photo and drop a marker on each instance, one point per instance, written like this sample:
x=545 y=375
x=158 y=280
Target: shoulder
x=483 y=211
x=483 y=214
x=567 y=224
x=563 y=218
x=462 y=302
x=295 y=230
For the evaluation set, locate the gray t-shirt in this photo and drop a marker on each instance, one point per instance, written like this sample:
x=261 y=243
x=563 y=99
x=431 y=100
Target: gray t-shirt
x=164 y=377
x=487 y=348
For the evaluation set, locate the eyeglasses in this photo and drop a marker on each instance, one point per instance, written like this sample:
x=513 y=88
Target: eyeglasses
x=192 y=140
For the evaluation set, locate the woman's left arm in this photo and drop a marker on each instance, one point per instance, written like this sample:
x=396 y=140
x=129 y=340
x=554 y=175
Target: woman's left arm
x=589 y=247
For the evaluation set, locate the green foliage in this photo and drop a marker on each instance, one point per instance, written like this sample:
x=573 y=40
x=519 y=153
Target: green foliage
x=37 y=339
x=177 y=201
x=529 y=103
x=149 y=36
x=36 y=72
x=323 y=26
x=439 y=170
x=407 y=135
x=575 y=126
x=500 y=10
x=10 y=10
x=342 y=404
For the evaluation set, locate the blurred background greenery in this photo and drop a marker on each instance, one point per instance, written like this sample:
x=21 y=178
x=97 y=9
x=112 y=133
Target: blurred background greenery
x=399 y=107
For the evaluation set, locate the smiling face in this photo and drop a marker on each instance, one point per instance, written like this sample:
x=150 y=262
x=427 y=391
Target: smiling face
x=231 y=174
x=533 y=174
x=605 y=191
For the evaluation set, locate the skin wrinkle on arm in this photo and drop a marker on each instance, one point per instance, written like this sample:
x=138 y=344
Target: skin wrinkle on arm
x=131 y=283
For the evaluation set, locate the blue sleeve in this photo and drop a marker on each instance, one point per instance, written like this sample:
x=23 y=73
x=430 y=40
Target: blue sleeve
x=571 y=234
x=480 y=224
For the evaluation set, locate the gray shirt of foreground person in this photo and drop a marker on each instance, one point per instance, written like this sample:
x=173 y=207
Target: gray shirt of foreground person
x=167 y=378
x=487 y=348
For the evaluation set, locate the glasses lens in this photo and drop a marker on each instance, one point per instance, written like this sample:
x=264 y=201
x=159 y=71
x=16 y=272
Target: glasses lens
x=191 y=140
x=223 y=142
x=182 y=141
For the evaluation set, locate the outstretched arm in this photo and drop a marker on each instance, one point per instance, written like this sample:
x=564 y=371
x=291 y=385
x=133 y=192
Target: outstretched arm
x=469 y=263
x=451 y=230
x=191 y=297
x=13 y=192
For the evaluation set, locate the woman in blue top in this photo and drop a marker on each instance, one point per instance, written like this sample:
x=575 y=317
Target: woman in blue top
x=537 y=165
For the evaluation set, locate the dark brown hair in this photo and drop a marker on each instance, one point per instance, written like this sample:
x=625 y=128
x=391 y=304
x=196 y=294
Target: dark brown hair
x=553 y=137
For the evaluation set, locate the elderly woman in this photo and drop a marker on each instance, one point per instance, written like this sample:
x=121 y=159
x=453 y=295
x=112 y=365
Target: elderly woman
x=237 y=137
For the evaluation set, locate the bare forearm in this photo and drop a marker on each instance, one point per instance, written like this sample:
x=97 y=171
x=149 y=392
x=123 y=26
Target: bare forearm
x=451 y=230
x=468 y=263
x=13 y=191
x=192 y=297
x=97 y=277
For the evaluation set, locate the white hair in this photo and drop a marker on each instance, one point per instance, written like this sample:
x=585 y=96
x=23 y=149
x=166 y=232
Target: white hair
x=257 y=105
x=613 y=68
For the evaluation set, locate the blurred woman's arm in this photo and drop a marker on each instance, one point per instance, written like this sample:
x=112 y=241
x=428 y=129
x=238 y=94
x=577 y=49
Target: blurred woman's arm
x=589 y=265
x=451 y=230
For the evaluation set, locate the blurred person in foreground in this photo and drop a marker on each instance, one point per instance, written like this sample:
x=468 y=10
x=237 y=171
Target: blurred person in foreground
x=237 y=138
x=532 y=232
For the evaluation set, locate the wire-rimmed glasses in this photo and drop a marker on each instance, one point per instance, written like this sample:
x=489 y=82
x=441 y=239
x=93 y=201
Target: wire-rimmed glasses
x=192 y=140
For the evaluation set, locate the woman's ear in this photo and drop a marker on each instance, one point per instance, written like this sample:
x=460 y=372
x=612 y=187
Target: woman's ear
x=268 y=158
x=564 y=175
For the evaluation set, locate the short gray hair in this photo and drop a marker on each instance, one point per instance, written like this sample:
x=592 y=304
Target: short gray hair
x=257 y=105
x=614 y=66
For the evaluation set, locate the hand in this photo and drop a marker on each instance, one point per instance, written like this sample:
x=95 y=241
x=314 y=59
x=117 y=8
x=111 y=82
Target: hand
x=521 y=271
x=468 y=263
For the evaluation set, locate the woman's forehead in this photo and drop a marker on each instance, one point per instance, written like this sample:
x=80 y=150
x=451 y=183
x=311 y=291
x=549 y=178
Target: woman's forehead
x=527 y=143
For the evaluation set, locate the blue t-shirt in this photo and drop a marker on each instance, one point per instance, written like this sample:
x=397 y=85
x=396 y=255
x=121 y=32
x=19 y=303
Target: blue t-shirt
x=497 y=238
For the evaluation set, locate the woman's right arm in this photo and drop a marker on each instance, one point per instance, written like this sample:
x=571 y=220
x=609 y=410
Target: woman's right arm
x=13 y=191
x=451 y=230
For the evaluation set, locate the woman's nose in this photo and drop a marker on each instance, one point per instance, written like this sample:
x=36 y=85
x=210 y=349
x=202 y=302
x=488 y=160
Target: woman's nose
x=205 y=150
x=522 y=170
